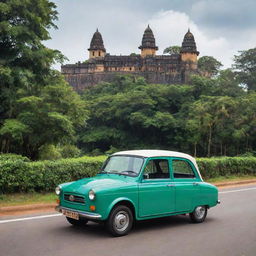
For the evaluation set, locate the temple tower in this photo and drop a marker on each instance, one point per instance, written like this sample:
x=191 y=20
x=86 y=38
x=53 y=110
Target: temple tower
x=189 y=51
x=97 y=49
x=148 y=44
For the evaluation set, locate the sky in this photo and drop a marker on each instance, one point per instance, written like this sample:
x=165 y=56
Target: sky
x=221 y=27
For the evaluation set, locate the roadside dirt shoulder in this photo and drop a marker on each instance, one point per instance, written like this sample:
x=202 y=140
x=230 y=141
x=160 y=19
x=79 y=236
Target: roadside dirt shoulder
x=26 y=209
x=234 y=183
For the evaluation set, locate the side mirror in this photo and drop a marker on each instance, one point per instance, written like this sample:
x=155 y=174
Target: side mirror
x=146 y=176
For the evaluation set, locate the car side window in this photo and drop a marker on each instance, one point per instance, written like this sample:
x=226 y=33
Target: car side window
x=182 y=169
x=157 y=169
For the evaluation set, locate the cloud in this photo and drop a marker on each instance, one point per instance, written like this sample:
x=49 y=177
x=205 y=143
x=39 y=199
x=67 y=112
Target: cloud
x=234 y=15
x=170 y=27
x=122 y=25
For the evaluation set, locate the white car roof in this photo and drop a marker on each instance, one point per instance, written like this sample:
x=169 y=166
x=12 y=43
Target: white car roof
x=153 y=153
x=158 y=153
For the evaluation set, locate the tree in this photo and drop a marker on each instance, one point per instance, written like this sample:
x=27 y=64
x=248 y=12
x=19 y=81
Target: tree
x=37 y=106
x=245 y=68
x=227 y=84
x=209 y=66
x=209 y=119
x=203 y=86
x=24 y=61
x=172 y=49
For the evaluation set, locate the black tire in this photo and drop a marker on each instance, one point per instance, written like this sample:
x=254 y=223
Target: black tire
x=74 y=222
x=120 y=221
x=199 y=214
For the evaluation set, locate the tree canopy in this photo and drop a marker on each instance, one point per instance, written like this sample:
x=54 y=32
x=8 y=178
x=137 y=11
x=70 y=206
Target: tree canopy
x=208 y=117
x=36 y=105
x=245 y=66
x=172 y=49
x=209 y=66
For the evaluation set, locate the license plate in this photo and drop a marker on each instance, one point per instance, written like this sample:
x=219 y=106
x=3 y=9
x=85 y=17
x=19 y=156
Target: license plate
x=70 y=214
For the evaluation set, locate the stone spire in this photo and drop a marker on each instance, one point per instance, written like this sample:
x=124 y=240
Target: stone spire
x=148 y=39
x=189 y=44
x=97 y=48
x=148 y=44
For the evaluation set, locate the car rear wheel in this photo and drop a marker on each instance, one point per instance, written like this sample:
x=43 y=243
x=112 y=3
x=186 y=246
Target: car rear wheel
x=199 y=214
x=74 y=222
x=120 y=221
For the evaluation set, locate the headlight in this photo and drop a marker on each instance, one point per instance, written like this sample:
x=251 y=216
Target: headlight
x=57 y=190
x=92 y=195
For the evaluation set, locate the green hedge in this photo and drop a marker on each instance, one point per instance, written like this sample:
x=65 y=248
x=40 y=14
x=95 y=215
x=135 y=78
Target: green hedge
x=20 y=175
x=13 y=157
x=226 y=166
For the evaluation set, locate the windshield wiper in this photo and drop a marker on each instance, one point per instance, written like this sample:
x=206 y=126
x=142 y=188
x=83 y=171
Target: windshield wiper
x=111 y=172
x=132 y=173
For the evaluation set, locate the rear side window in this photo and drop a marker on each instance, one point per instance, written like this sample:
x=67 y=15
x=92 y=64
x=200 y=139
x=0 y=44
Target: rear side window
x=182 y=169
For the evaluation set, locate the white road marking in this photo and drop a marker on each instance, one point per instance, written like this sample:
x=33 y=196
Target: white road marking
x=59 y=214
x=31 y=218
x=237 y=190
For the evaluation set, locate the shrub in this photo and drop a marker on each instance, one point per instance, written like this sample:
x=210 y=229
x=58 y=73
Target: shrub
x=68 y=151
x=13 y=157
x=49 y=152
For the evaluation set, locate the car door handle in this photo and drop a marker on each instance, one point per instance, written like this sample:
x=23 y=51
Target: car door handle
x=195 y=184
x=170 y=185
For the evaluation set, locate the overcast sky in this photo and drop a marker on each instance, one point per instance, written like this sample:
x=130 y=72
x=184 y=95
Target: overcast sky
x=221 y=27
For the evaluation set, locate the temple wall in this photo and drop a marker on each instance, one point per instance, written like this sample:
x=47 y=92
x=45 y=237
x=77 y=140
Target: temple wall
x=82 y=81
x=165 y=69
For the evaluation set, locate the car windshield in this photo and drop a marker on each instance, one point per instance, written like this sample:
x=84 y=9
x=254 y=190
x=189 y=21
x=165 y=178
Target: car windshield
x=123 y=165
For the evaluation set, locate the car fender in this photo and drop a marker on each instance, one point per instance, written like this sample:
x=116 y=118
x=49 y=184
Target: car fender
x=116 y=201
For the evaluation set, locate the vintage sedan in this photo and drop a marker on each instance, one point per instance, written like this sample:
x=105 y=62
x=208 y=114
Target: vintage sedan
x=138 y=185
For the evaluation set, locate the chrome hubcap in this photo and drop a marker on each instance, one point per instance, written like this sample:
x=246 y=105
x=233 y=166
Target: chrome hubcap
x=121 y=221
x=199 y=212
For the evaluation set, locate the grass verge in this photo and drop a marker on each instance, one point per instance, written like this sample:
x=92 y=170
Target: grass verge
x=223 y=179
x=26 y=198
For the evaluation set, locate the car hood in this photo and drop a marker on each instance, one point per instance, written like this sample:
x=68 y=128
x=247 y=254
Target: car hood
x=98 y=183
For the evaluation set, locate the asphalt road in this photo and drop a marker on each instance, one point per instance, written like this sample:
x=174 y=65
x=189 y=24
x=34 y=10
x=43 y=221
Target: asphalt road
x=230 y=229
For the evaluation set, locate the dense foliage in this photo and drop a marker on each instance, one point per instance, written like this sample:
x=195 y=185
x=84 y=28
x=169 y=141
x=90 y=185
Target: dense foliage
x=209 y=66
x=172 y=50
x=208 y=117
x=22 y=176
x=245 y=66
x=37 y=107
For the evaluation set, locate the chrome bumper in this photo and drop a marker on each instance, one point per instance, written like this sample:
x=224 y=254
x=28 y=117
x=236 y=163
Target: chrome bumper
x=87 y=215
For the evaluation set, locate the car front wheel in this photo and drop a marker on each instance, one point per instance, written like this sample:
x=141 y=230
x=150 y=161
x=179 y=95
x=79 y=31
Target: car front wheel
x=120 y=221
x=199 y=214
x=74 y=222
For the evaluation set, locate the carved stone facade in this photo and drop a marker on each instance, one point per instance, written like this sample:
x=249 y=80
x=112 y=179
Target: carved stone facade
x=161 y=69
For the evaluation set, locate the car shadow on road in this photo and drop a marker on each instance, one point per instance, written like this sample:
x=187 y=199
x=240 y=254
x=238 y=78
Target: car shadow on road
x=164 y=223
x=93 y=230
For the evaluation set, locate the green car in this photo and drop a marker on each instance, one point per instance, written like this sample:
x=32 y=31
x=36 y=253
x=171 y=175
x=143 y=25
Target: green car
x=138 y=185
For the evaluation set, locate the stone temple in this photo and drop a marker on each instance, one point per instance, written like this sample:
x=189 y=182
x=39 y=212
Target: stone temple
x=160 y=69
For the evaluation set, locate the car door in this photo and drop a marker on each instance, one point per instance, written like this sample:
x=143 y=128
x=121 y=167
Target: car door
x=186 y=181
x=156 y=189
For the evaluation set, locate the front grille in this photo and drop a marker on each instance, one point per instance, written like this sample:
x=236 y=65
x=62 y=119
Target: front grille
x=74 y=198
